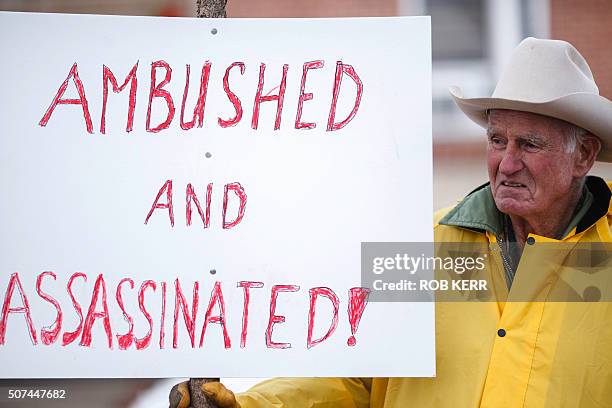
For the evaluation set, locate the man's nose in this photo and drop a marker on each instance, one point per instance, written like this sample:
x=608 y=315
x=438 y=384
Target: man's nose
x=512 y=161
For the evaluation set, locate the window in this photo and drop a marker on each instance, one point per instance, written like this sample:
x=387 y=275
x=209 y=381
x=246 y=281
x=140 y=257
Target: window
x=458 y=29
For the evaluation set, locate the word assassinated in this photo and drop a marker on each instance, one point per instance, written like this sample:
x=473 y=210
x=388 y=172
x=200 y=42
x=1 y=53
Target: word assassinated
x=214 y=313
x=158 y=94
x=191 y=199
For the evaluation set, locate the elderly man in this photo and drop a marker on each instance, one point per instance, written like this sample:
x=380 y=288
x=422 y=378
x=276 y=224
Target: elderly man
x=546 y=125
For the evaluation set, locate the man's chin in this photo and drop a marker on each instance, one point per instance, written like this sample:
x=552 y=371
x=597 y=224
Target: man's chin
x=512 y=206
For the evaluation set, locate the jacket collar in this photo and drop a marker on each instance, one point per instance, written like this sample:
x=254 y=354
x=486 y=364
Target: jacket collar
x=601 y=205
x=477 y=211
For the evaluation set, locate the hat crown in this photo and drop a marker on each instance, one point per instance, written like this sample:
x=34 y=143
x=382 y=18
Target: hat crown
x=543 y=70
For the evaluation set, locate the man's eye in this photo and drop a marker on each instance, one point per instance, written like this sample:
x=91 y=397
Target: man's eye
x=496 y=142
x=531 y=147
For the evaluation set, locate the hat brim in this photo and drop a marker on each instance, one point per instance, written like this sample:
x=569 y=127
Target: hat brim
x=589 y=111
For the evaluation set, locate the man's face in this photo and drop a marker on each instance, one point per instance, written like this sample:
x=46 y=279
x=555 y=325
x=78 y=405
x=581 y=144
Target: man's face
x=529 y=169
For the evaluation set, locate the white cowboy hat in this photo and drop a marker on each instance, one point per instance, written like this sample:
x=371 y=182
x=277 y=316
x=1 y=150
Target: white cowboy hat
x=551 y=78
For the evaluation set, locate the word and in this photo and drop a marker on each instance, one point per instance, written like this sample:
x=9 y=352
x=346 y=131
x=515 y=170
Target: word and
x=158 y=94
x=191 y=199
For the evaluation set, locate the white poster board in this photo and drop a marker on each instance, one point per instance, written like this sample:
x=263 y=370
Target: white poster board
x=98 y=187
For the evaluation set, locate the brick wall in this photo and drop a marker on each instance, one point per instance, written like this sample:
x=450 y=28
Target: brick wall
x=311 y=8
x=588 y=25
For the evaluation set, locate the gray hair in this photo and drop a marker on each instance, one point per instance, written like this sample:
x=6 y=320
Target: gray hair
x=574 y=138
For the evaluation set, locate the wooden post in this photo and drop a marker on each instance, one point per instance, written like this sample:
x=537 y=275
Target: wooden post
x=211 y=8
x=205 y=9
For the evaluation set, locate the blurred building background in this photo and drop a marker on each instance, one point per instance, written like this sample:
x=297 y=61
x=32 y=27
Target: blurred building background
x=471 y=41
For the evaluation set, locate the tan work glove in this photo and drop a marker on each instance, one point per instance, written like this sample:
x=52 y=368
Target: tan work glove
x=214 y=391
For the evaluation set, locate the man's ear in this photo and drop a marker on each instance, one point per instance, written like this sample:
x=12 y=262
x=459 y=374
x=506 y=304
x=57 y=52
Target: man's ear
x=586 y=153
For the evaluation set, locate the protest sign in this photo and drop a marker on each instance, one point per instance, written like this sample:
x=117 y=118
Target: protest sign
x=188 y=197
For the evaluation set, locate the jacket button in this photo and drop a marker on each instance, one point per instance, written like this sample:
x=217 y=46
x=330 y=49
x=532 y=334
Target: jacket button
x=531 y=240
x=501 y=332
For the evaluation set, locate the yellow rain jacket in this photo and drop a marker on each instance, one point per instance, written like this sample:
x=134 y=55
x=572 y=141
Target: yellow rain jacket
x=499 y=353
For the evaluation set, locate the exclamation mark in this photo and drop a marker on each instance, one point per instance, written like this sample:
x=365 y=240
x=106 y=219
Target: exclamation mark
x=358 y=299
